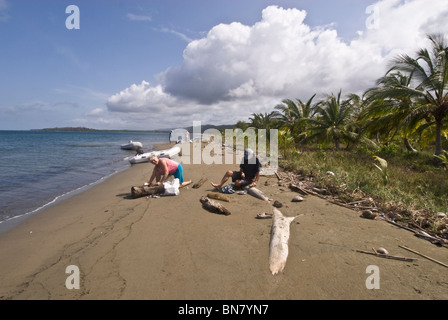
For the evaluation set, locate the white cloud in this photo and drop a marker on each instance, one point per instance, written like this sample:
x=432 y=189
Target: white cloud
x=96 y=112
x=176 y=33
x=403 y=25
x=237 y=70
x=136 y=17
x=141 y=98
x=3 y=7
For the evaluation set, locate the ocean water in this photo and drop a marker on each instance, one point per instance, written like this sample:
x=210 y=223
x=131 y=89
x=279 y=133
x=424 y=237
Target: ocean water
x=37 y=168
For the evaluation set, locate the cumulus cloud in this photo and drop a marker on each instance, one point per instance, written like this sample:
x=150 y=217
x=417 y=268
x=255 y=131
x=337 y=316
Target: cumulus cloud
x=237 y=70
x=141 y=98
x=3 y=8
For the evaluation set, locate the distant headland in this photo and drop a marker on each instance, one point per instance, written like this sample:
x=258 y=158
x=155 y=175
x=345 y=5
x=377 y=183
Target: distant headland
x=84 y=129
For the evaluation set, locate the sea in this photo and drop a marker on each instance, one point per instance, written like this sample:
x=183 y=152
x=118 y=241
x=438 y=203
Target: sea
x=39 y=168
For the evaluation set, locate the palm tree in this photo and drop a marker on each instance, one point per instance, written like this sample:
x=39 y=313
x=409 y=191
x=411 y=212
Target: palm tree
x=241 y=125
x=429 y=88
x=262 y=121
x=358 y=107
x=294 y=114
x=333 y=121
x=389 y=116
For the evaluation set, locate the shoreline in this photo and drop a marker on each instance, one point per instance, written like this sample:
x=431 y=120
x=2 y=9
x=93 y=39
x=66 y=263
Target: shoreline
x=12 y=222
x=171 y=248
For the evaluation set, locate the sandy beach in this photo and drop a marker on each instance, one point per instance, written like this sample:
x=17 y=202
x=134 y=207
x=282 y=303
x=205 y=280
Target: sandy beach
x=171 y=248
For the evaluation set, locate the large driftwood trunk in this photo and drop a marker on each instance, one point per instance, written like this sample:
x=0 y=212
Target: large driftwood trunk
x=143 y=191
x=278 y=245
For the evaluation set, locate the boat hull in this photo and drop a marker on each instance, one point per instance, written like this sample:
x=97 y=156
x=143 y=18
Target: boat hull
x=161 y=154
x=131 y=146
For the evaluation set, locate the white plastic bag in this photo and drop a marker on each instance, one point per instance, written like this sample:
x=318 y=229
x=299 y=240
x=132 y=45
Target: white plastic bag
x=171 y=187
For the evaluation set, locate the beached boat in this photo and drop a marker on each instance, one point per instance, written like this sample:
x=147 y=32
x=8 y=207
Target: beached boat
x=169 y=153
x=131 y=145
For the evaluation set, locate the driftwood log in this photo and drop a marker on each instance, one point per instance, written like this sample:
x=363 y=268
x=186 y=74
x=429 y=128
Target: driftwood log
x=278 y=244
x=218 y=196
x=143 y=191
x=213 y=206
x=298 y=189
x=257 y=193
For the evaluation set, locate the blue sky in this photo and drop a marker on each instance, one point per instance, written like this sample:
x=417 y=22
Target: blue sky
x=154 y=64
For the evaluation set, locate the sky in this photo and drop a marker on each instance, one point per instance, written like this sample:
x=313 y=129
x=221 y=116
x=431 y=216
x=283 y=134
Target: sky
x=160 y=64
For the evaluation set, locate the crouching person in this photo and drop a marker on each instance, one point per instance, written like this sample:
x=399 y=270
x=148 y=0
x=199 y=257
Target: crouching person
x=163 y=168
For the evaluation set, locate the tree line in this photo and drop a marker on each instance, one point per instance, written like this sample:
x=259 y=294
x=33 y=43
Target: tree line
x=410 y=103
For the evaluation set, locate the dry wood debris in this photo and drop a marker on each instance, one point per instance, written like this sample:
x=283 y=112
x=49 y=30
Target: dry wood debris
x=305 y=186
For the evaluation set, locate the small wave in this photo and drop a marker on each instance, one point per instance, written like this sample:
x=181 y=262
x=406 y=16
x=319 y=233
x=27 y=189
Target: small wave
x=84 y=145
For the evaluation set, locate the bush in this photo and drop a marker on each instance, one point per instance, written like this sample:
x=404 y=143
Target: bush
x=389 y=150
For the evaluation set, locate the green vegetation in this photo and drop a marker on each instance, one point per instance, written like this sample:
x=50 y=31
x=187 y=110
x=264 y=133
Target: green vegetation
x=411 y=185
x=387 y=144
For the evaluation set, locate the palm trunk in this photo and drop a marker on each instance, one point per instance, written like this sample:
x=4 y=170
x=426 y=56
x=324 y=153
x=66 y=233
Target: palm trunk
x=438 y=138
x=336 y=143
x=408 y=145
x=439 y=149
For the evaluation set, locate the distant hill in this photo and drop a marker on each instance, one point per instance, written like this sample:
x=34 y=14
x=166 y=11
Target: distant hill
x=66 y=129
x=83 y=129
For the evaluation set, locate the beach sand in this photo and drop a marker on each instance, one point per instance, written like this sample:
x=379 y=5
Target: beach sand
x=171 y=248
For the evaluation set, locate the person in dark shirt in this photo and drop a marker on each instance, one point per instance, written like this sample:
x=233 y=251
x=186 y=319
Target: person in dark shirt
x=248 y=175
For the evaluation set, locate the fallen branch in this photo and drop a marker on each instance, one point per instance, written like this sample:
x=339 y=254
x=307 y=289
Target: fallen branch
x=387 y=256
x=339 y=203
x=276 y=174
x=433 y=240
x=298 y=189
x=199 y=183
x=429 y=258
x=400 y=226
x=421 y=234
